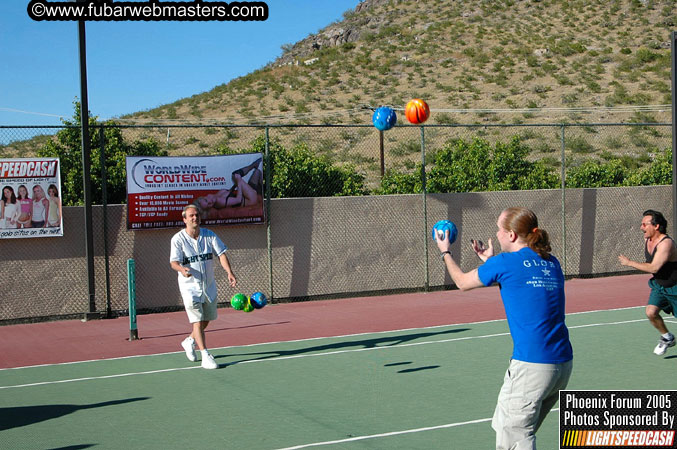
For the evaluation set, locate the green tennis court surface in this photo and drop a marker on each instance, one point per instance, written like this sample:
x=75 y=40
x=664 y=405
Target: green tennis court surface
x=432 y=388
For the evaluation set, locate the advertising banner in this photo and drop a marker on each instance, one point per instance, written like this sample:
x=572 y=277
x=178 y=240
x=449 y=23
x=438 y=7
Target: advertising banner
x=617 y=419
x=31 y=198
x=227 y=189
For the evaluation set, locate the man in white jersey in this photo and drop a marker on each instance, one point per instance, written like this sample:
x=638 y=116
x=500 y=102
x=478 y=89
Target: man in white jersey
x=192 y=256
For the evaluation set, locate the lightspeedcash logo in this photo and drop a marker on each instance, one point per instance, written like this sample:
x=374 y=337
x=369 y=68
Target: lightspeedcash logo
x=618 y=439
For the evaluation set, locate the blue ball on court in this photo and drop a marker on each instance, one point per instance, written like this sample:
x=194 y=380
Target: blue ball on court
x=259 y=300
x=441 y=227
x=384 y=118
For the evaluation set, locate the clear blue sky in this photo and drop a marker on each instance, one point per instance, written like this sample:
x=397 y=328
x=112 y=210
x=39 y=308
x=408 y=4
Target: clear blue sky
x=134 y=66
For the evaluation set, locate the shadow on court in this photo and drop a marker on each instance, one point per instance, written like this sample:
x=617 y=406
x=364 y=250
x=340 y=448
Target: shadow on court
x=74 y=447
x=417 y=369
x=212 y=330
x=403 y=363
x=386 y=341
x=20 y=416
x=411 y=370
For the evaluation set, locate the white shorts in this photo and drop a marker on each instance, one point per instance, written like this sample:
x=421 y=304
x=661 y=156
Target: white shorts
x=200 y=311
x=528 y=393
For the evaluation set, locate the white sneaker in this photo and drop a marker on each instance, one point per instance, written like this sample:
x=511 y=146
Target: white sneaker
x=663 y=345
x=188 y=345
x=208 y=362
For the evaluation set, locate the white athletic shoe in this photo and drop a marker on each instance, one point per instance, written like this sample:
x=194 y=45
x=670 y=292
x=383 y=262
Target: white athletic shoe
x=663 y=345
x=208 y=362
x=188 y=345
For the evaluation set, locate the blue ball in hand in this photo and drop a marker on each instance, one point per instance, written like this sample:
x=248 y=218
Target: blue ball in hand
x=441 y=227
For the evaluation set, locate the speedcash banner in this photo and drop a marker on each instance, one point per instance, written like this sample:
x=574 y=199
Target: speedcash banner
x=30 y=205
x=227 y=189
x=618 y=419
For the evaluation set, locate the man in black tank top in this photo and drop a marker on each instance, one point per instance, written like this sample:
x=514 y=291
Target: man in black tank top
x=661 y=261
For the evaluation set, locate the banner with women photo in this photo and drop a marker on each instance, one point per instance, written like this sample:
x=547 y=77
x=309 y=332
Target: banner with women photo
x=228 y=189
x=31 y=201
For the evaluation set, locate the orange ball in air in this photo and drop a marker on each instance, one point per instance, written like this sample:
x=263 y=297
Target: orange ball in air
x=417 y=111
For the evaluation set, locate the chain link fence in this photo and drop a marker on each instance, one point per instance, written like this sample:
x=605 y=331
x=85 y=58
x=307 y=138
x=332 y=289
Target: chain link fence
x=320 y=247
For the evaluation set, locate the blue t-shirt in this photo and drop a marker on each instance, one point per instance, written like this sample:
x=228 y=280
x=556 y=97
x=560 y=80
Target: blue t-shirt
x=532 y=289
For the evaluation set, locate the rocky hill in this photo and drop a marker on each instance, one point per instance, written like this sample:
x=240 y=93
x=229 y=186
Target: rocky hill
x=514 y=61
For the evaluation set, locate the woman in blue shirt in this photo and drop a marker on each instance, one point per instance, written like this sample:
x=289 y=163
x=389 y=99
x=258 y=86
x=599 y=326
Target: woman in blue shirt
x=532 y=289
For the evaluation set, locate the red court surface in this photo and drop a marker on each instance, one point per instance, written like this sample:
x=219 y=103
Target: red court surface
x=74 y=340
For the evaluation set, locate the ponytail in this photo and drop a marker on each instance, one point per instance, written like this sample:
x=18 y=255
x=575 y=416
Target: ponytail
x=524 y=223
x=539 y=241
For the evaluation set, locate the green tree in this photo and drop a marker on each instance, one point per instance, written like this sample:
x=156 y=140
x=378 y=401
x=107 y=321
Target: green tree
x=472 y=166
x=593 y=173
x=298 y=172
x=66 y=145
x=510 y=170
x=395 y=182
x=540 y=177
x=658 y=172
x=461 y=166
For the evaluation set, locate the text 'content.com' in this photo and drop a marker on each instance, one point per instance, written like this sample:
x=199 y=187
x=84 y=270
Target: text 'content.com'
x=152 y=10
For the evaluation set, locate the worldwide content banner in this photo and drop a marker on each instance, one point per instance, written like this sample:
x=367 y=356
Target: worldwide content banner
x=617 y=419
x=227 y=189
x=31 y=198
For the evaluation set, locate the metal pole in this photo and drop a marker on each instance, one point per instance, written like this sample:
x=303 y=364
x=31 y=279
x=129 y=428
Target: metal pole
x=268 y=233
x=564 y=219
x=104 y=201
x=131 y=293
x=425 y=213
x=86 y=177
x=383 y=164
x=673 y=43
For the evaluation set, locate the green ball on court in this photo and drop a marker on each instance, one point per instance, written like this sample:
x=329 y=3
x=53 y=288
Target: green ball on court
x=238 y=301
x=248 y=307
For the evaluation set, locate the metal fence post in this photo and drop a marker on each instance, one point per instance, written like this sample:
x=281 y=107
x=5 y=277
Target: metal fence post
x=564 y=221
x=268 y=234
x=131 y=293
x=425 y=212
x=104 y=203
x=673 y=43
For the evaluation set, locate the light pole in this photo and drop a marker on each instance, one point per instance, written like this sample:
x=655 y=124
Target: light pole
x=86 y=178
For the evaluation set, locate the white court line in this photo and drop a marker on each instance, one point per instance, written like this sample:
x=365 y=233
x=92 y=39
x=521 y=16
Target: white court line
x=306 y=339
x=392 y=433
x=103 y=377
x=414 y=344
x=281 y=358
x=250 y=361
